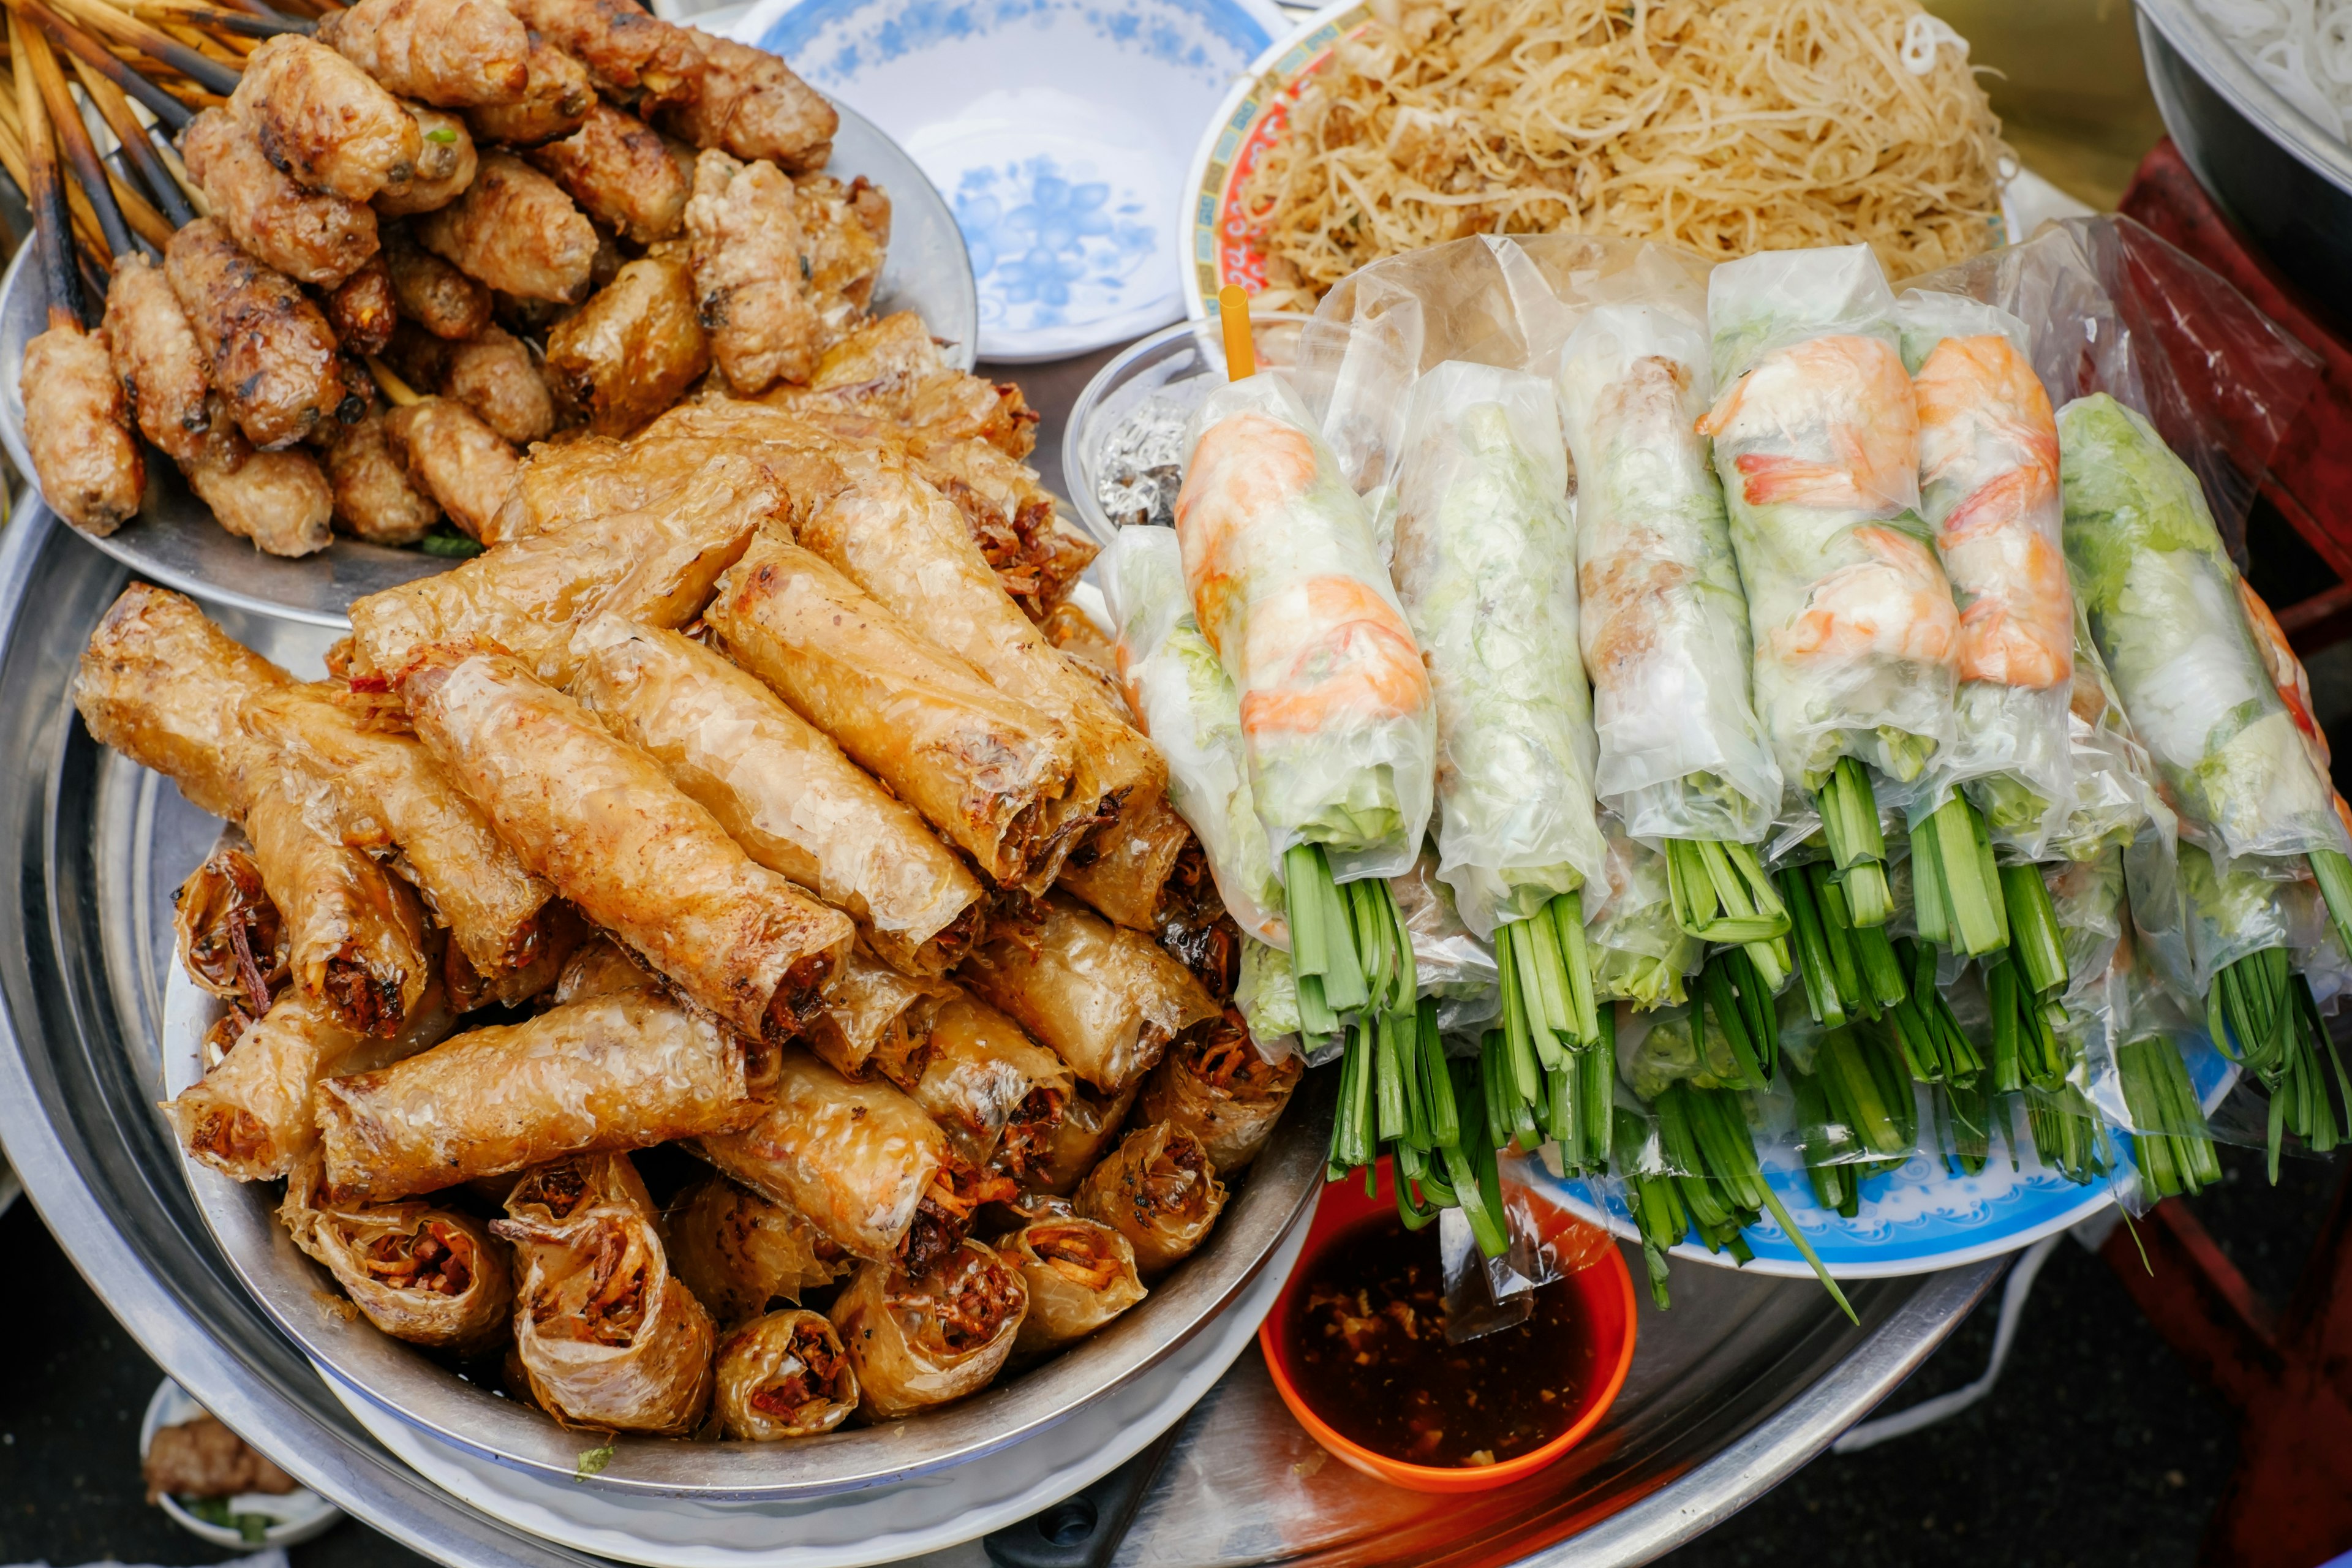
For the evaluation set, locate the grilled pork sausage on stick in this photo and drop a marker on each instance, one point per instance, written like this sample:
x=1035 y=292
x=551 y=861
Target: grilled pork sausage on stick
x=452 y=54
x=373 y=496
x=271 y=356
x=446 y=165
x=324 y=121
x=632 y=56
x=313 y=236
x=556 y=98
x=157 y=360
x=751 y=272
x=515 y=230
x=431 y=292
x=621 y=172
x=748 y=102
x=362 y=310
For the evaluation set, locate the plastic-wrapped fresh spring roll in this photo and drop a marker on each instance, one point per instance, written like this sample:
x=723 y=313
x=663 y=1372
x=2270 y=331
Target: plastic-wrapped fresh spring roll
x=783 y=1375
x=1159 y=1190
x=983 y=768
x=1187 y=703
x=622 y=1071
x=430 y=1275
x=1641 y=953
x=1663 y=621
x=2115 y=792
x=1080 y=1275
x=1090 y=1122
x=660 y=874
x=855 y=1159
x=783 y=790
x=876 y=1019
x=1213 y=1084
x=919 y=1341
x=228 y=935
x=1449 y=961
x=1988 y=485
x=1104 y=999
x=253 y=1117
x=1852 y=625
x=738 y=1252
x=607 y=1336
x=984 y=1077
x=1339 y=721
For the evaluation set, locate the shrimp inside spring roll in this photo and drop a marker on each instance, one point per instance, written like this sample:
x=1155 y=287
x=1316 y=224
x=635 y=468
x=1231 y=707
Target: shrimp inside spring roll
x=1080 y=1274
x=784 y=1375
x=430 y=1276
x=1213 y=1084
x=1159 y=1190
x=921 y=1339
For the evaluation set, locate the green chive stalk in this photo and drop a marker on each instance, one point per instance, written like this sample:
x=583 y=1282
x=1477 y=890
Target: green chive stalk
x=1653 y=1198
x=2333 y=871
x=1706 y=1130
x=2174 y=1146
x=1857 y=848
x=2068 y=1135
x=1956 y=886
x=1580 y=1095
x=2025 y=1048
x=1349 y=949
x=1850 y=971
x=1721 y=893
x=1964 y=1124
x=1730 y=988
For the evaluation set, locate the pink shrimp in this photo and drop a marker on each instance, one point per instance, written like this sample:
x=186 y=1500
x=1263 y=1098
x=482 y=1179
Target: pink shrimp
x=1854 y=388
x=1982 y=408
x=1246 y=467
x=1897 y=604
x=2286 y=671
x=1327 y=650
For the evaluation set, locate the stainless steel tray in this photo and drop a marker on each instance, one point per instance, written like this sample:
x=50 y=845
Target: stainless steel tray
x=174 y=541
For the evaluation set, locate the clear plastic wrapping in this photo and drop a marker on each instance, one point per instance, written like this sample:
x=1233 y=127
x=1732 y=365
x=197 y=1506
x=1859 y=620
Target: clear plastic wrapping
x=1639 y=952
x=2115 y=792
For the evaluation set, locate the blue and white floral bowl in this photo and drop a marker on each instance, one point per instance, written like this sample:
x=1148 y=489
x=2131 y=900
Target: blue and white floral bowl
x=1059 y=131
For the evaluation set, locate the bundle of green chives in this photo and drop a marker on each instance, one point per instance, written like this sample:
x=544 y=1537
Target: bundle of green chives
x=1705 y=1131
x=1923 y=1023
x=1721 y=893
x=2170 y=1139
x=2026 y=1049
x=1849 y=971
x=1652 y=1197
x=1857 y=847
x=2261 y=1013
x=1742 y=1002
x=1956 y=887
x=2068 y=1136
x=1858 y=1115
x=1349 y=949
x=1964 y=1123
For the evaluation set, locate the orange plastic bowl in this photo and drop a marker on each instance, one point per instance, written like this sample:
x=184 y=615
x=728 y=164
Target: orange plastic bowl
x=1605 y=1298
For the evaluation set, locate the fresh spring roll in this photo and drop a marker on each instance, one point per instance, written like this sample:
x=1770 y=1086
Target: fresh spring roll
x=253 y=1116
x=783 y=790
x=856 y=1158
x=1104 y=999
x=1337 y=714
x=986 y=1076
x=1988 y=486
x=654 y=566
x=2167 y=610
x=430 y=1275
x=738 y=1252
x=623 y=1071
x=1089 y=1124
x=390 y=794
x=919 y=1341
x=599 y=819
x=1179 y=690
x=2115 y=790
x=784 y=1375
x=607 y=1336
x=1215 y=1085
x=1080 y=1275
x=1816 y=437
x=228 y=935
x=162 y=684
x=983 y=767
x=876 y=1019
x=1639 y=952
x=1159 y=1190
x=1485 y=566
x=1663 y=620
x=900 y=539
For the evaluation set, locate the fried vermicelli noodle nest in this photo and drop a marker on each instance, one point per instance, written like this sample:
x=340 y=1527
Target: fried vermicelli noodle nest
x=1731 y=126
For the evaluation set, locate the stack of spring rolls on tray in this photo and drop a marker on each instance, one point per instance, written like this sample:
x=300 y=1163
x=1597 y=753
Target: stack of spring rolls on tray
x=731 y=802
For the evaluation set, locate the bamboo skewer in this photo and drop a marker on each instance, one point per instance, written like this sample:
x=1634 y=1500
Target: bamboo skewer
x=137 y=147
x=12 y=158
x=50 y=224
x=256 y=23
x=397 y=391
x=49 y=83
x=89 y=51
x=207 y=73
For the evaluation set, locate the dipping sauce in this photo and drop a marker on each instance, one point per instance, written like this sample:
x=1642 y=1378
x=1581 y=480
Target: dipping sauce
x=1368 y=1351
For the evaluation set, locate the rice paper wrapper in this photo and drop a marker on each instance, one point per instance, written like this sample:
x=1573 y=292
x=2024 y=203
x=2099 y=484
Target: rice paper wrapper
x=2195 y=915
x=1662 y=618
x=1338 y=720
x=1267 y=995
x=916 y=1342
x=785 y=1374
x=1080 y=1276
x=2115 y=793
x=365 y=1245
x=1639 y=952
x=1450 y=961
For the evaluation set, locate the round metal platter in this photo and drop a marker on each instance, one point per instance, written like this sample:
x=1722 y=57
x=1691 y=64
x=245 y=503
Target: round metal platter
x=174 y=541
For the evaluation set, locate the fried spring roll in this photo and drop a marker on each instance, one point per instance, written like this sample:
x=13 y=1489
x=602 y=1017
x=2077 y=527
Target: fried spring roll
x=783 y=790
x=1159 y=1190
x=632 y=350
x=1089 y=1123
x=271 y=355
x=557 y=96
x=889 y=369
x=750 y=102
x=587 y=476
x=430 y=1275
x=1213 y=1084
x=1106 y=999
x=654 y=567
x=621 y=172
x=515 y=230
x=854 y=1158
x=454 y=54
x=228 y=935
x=597 y=818
x=986 y=770
x=601 y=967
x=922 y=1340
x=877 y=1020
x=323 y=119
x=157 y=358
x=1124 y=866
x=738 y=1253
x=983 y=1075
x=615 y=1072
x=373 y=497
x=607 y=1336
x=784 y=1375
x=315 y=237
x=557 y=931
x=1080 y=1275
x=156 y=683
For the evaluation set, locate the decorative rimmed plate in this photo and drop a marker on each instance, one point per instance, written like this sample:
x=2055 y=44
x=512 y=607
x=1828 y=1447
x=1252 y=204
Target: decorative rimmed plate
x=174 y=541
x=1059 y=131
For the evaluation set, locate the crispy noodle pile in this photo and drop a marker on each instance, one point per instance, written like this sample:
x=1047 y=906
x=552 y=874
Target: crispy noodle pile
x=1730 y=125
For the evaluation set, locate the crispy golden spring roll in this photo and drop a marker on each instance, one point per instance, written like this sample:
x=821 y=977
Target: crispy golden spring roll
x=391 y=794
x=1106 y=999
x=595 y=816
x=559 y=1189
x=877 y=1020
x=253 y=1116
x=984 y=1073
x=1158 y=1190
x=1058 y=1161
x=784 y=1375
x=1123 y=868
x=230 y=939
x=601 y=967
x=430 y=1275
x=655 y=566
x=738 y=1252
x=553 y=934
x=783 y=790
x=356 y=932
x=631 y=351
x=1080 y=1275
x=1195 y=928
x=986 y=770
x=607 y=1336
x=614 y=1072
x=1213 y=1084
x=923 y=1339
x=854 y=1158
x=583 y=476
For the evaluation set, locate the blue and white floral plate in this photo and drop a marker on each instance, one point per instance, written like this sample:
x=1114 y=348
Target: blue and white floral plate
x=1912 y=1220
x=1059 y=131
